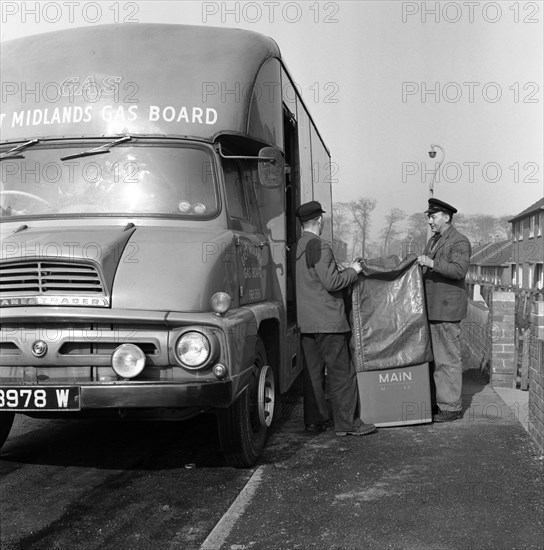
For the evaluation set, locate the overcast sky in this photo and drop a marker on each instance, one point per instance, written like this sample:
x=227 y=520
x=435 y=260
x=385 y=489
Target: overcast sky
x=383 y=80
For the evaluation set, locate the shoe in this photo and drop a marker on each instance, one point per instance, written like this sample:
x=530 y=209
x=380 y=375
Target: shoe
x=363 y=429
x=314 y=428
x=329 y=425
x=318 y=428
x=447 y=416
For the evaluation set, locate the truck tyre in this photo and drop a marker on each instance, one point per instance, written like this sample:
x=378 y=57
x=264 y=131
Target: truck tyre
x=244 y=425
x=6 y=421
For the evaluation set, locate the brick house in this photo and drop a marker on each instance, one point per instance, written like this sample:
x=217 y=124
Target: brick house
x=490 y=264
x=504 y=334
x=527 y=267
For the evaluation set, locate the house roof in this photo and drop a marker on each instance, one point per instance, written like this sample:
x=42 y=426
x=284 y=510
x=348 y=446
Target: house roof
x=538 y=205
x=496 y=253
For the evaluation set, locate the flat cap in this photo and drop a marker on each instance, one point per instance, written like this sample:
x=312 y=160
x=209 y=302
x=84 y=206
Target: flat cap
x=309 y=211
x=436 y=205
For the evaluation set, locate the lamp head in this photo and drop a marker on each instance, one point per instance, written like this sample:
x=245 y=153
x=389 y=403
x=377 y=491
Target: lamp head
x=432 y=153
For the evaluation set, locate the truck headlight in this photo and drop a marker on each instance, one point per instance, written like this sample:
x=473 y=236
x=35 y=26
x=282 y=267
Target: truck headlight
x=128 y=360
x=193 y=349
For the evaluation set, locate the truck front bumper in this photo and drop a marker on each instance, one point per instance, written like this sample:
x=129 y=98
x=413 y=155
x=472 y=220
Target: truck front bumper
x=205 y=395
x=75 y=398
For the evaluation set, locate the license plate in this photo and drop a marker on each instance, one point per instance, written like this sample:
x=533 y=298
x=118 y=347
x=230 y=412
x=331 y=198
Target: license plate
x=50 y=398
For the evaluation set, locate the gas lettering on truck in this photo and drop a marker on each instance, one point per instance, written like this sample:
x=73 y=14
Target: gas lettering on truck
x=193 y=115
x=109 y=113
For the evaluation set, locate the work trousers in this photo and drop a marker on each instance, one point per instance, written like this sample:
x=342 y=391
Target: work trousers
x=448 y=370
x=329 y=351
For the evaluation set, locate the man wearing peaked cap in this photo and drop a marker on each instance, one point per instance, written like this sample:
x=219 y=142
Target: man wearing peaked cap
x=309 y=211
x=445 y=264
x=436 y=205
x=324 y=330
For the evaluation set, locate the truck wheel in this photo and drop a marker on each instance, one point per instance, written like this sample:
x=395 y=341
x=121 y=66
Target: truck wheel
x=6 y=420
x=278 y=402
x=243 y=426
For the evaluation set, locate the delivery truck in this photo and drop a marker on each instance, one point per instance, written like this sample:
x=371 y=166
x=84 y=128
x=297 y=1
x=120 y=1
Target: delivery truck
x=149 y=180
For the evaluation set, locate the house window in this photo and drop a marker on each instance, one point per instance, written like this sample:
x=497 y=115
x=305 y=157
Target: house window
x=520 y=276
x=513 y=274
x=532 y=226
x=520 y=231
x=526 y=225
x=530 y=275
x=539 y=276
x=538 y=224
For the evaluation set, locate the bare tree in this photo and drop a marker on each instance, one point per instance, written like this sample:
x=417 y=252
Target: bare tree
x=360 y=210
x=463 y=223
x=390 y=232
x=372 y=249
x=416 y=234
x=504 y=227
x=340 y=221
x=356 y=242
x=483 y=228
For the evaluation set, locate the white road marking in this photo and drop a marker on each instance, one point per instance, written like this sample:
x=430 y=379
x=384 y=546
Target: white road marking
x=224 y=526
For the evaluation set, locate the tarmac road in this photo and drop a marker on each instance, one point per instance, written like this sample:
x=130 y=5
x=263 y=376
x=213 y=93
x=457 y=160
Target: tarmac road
x=78 y=485
x=477 y=483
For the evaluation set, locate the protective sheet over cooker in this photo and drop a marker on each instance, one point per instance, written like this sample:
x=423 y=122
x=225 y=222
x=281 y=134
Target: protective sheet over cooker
x=388 y=317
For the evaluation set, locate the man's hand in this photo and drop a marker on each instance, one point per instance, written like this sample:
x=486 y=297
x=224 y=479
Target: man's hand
x=357 y=266
x=425 y=261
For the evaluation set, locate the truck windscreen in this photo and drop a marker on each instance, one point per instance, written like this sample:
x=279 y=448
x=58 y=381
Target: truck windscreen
x=134 y=179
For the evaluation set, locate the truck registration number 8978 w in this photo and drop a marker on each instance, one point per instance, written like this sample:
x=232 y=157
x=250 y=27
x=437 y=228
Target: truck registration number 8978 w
x=51 y=398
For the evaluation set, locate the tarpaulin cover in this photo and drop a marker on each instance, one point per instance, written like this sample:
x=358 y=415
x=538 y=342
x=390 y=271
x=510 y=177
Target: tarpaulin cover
x=388 y=318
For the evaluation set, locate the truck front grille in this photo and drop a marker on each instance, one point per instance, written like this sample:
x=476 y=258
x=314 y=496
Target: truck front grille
x=49 y=277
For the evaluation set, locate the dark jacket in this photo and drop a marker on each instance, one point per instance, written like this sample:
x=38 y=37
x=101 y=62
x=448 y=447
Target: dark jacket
x=445 y=290
x=319 y=284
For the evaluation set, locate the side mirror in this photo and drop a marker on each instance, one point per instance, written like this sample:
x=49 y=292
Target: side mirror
x=271 y=168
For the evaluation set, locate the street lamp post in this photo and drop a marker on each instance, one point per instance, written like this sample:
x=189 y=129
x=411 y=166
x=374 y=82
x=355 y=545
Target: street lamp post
x=432 y=154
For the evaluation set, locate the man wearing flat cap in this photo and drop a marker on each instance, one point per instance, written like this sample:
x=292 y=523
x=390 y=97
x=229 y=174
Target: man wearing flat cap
x=445 y=263
x=324 y=330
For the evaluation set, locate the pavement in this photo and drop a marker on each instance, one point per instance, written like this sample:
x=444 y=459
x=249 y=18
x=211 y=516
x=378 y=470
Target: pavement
x=518 y=402
x=476 y=483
